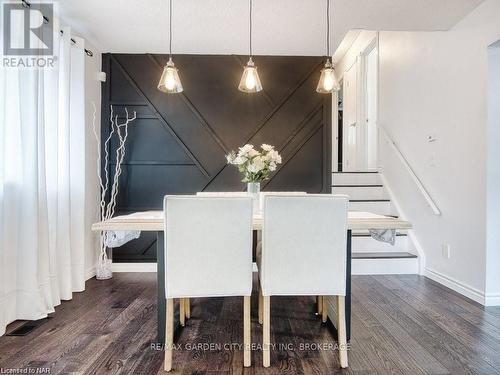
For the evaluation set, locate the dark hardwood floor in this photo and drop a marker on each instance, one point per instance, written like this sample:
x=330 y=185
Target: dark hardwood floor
x=400 y=324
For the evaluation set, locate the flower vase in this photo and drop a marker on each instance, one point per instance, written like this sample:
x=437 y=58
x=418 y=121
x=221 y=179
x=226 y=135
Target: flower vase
x=104 y=265
x=253 y=188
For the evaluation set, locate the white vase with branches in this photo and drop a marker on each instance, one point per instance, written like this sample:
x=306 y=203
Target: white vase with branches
x=107 y=209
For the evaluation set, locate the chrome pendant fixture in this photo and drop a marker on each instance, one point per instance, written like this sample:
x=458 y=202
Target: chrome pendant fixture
x=327 y=81
x=250 y=81
x=170 y=81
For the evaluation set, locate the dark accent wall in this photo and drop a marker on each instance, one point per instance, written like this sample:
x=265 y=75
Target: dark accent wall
x=178 y=143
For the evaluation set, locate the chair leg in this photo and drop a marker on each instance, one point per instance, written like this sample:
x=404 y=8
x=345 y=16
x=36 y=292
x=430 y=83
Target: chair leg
x=188 y=308
x=247 y=342
x=169 y=334
x=261 y=308
x=266 y=334
x=324 y=310
x=341 y=330
x=182 y=311
x=319 y=304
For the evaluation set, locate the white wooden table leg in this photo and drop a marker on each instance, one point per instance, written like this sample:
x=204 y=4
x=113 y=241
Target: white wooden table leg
x=319 y=304
x=188 y=308
x=261 y=307
x=324 y=310
x=182 y=311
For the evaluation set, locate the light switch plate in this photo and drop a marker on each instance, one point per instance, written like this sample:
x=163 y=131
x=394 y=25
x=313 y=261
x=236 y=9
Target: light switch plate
x=446 y=248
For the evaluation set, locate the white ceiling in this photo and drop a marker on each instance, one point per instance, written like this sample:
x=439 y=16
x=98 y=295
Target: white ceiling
x=281 y=27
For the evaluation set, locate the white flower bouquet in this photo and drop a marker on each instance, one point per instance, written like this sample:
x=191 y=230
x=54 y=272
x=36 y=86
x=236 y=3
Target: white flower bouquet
x=255 y=165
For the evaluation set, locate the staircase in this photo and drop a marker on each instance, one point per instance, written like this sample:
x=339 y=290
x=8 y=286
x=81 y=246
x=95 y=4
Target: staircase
x=369 y=256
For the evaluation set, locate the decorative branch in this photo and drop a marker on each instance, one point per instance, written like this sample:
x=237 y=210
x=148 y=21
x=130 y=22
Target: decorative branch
x=107 y=210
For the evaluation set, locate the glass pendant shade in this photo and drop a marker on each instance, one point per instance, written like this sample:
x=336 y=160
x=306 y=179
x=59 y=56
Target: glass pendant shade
x=170 y=81
x=327 y=81
x=250 y=81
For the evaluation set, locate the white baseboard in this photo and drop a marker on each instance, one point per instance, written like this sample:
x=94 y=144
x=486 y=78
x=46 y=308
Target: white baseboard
x=492 y=299
x=142 y=267
x=133 y=267
x=359 y=267
x=474 y=294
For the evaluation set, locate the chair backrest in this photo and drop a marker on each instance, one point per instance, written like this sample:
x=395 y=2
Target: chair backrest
x=208 y=246
x=304 y=242
x=222 y=194
x=264 y=194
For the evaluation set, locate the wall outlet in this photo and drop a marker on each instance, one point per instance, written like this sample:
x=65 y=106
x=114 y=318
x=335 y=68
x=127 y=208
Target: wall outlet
x=446 y=248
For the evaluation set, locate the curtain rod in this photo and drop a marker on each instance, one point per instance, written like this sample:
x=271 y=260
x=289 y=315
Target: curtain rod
x=46 y=20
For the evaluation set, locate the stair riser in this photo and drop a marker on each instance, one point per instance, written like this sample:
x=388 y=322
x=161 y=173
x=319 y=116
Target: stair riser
x=380 y=208
x=356 y=179
x=368 y=244
x=384 y=266
x=365 y=192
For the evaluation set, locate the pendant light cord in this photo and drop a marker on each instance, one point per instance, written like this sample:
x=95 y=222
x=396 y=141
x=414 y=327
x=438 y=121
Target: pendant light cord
x=170 y=32
x=328 y=28
x=250 y=33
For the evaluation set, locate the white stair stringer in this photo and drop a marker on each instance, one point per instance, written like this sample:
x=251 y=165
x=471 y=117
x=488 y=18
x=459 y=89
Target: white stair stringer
x=418 y=249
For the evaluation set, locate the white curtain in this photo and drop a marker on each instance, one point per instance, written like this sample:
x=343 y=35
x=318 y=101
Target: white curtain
x=42 y=185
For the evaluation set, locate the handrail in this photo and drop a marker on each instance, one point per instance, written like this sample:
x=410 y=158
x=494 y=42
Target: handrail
x=418 y=182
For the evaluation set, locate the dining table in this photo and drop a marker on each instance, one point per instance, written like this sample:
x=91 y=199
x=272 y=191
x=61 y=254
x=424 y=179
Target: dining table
x=154 y=221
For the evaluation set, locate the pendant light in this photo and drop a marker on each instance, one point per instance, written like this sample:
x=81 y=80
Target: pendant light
x=250 y=81
x=170 y=81
x=327 y=81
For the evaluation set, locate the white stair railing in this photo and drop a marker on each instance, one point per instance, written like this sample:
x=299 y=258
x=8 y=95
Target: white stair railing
x=418 y=182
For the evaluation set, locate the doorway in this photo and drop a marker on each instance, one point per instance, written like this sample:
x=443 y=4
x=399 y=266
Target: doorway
x=358 y=113
x=340 y=119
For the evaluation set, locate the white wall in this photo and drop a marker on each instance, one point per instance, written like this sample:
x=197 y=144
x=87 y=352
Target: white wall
x=435 y=83
x=92 y=94
x=493 y=177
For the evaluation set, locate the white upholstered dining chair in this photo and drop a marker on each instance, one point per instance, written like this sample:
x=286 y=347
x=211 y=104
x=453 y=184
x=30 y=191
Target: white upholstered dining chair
x=320 y=301
x=223 y=194
x=303 y=254
x=264 y=194
x=196 y=265
x=185 y=308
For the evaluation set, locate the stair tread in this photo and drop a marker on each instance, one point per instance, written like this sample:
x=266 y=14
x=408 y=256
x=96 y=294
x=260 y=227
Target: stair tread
x=369 y=200
x=388 y=215
x=359 y=185
x=355 y=172
x=366 y=233
x=383 y=255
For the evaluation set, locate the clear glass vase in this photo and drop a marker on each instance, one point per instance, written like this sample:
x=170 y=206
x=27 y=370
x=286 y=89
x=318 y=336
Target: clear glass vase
x=253 y=188
x=104 y=265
